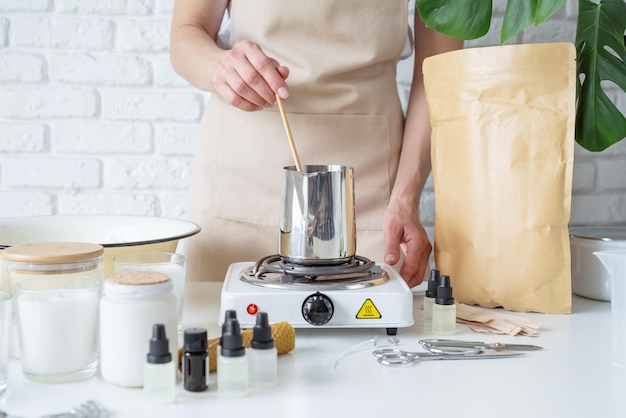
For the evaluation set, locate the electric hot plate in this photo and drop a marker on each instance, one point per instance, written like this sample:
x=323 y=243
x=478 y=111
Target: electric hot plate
x=362 y=295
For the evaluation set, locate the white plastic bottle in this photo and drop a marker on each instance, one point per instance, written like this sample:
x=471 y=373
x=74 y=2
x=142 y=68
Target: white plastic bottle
x=444 y=309
x=232 y=364
x=159 y=381
x=262 y=354
x=132 y=303
x=429 y=297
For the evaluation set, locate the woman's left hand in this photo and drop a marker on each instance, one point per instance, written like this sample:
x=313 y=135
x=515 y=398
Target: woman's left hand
x=404 y=231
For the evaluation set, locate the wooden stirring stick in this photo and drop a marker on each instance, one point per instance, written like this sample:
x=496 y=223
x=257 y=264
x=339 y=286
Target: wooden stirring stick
x=289 y=136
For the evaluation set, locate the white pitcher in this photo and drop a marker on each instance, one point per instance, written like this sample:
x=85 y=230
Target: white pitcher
x=615 y=264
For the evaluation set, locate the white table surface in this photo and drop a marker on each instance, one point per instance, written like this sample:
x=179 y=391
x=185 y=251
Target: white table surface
x=572 y=377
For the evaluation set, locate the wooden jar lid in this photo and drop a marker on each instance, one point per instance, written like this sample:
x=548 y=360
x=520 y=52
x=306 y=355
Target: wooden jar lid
x=138 y=277
x=52 y=252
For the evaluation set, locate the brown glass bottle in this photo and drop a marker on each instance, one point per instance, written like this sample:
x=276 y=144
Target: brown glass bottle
x=195 y=362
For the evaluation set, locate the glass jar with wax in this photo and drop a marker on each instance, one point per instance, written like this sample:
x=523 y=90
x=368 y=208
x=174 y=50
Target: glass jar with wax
x=61 y=259
x=50 y=260
x=57 y=320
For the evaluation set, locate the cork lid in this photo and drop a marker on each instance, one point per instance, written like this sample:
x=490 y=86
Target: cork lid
x=52 y=252
x=138 y=277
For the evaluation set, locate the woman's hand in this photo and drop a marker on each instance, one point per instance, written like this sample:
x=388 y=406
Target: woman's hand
x=248 y=79
x=244 y=76
x=403 y=229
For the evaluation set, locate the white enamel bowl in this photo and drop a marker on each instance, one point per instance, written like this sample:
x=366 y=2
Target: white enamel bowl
x=118 y=234
x=589 y=277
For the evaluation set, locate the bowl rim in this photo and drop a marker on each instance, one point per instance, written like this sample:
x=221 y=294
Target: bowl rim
x=193 y=228
x=606 y=233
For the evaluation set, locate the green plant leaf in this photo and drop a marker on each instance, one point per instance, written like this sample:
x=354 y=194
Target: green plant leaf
x=461 y=19
x=601 y=56
x=520 y=14
x=546 y=8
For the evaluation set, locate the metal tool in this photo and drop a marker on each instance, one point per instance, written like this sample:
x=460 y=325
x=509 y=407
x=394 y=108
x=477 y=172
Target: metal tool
x=396 y=357
x=89 y=409
x=449 y=347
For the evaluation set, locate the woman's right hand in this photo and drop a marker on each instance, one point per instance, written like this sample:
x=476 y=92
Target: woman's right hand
x=244 y=76
x=248 y=79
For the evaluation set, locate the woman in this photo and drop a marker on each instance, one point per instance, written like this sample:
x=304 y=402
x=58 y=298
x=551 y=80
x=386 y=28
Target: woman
x=334 y=62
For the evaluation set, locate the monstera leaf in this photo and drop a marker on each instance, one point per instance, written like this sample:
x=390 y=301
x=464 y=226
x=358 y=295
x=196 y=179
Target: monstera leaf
x=519 y=14
x=471 y=19
x=461 y=19
x=600 y=46
x=601 y=56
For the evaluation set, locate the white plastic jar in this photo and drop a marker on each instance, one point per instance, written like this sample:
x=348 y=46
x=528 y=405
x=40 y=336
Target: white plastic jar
x=132 y=302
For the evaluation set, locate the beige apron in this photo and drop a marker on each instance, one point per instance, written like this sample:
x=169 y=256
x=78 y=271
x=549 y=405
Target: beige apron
x=343 y=109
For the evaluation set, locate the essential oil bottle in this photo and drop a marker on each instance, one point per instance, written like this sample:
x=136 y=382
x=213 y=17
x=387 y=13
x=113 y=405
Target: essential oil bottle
x=444 y=309
x=262 y=354
x=232 y=364
x=429 y=297
x=159 y=383
x=195 y=359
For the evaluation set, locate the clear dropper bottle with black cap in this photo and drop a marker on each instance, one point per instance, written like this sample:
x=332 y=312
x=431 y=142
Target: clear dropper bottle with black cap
x=232 y=364
x=444 y=309
x=429 y=297
x=262 y=354
x=195 y=359
x=159 y=382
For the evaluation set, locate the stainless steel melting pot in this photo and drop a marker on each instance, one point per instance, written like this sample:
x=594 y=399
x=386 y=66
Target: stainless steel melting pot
x=317 y=220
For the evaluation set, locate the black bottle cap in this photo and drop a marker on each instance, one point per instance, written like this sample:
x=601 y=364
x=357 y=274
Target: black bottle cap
x=433 y=283
x=195 y=340
x=232 y=342
x=262 y=333
x=159 y=346
x=444 y=292
x=229 y=314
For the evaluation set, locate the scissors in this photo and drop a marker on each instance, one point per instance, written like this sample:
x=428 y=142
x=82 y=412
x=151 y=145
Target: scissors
x=396 y=357
x=448 y=347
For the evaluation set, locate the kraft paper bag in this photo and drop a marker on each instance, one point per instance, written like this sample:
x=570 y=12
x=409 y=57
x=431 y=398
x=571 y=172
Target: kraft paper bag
x=502 y=156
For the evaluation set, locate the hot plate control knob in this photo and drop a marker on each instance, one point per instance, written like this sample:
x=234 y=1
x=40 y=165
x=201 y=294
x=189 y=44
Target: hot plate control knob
x=317 y=309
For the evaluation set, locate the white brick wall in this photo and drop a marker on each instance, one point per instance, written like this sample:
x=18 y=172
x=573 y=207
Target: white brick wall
x=94 y=120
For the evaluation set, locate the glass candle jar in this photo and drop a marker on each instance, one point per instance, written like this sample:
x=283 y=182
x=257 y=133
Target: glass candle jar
x=57 y=321
x=49 y=260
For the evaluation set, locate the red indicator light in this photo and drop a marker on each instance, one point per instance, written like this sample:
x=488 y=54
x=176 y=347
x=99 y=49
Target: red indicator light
x=252 y=309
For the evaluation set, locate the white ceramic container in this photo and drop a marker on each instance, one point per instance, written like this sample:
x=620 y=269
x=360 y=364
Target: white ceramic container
x=129 y=309
x=589 y=277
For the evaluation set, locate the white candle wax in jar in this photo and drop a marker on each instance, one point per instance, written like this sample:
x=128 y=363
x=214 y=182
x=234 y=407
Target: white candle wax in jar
x=133 y=302
x=171 y=264
x=58 y=327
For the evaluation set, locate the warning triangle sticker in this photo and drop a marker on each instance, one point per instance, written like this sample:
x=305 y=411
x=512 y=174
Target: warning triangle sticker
x=368 y=311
